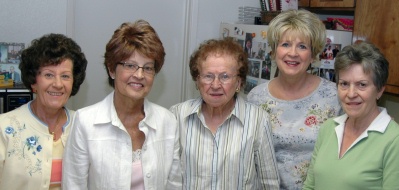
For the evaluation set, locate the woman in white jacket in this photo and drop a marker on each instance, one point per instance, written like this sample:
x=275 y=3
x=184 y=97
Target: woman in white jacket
x=124 y=142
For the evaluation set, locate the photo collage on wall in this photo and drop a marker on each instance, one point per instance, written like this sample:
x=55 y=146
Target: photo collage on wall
x=10 y=57
x=259 y=61
x=259 y=58
x=327 y=60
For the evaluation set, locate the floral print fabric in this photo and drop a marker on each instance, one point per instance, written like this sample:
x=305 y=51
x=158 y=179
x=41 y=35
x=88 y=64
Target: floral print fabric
x=295 y=125
x=22 y=147
x=26 y=149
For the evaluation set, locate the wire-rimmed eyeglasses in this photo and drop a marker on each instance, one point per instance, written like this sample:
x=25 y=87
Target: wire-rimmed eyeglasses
x=223 y=78
x=150 y=70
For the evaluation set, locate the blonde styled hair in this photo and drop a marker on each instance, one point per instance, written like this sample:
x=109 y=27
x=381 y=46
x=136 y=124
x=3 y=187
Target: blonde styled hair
x=302 y=22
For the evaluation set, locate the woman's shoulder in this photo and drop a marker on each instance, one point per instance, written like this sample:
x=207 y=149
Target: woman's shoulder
x=259 y=93
x=393 y=128
x=246 y=104
x=153 y=107
x=244 y=108
x=98 y=106
x=326 y=90
x=328 y=126
x=188 y=104
x=20 y=112
x=259 y=89
x=326 y=84
x=330 y=122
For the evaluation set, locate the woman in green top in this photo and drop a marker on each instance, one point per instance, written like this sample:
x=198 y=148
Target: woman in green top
x=360 y=149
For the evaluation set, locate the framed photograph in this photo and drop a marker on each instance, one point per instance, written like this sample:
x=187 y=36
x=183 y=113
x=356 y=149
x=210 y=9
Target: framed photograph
x=266 y=69
x=10 y=57
x=327 y=61
x=248 y=45
x=260 y=66
x=254 y=68
x=328 y=74
x=327 y=57
x=259 y=50
x=11 y=52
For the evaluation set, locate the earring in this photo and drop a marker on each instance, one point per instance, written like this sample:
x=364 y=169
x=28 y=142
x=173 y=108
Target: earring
x=237 y=89
x=112 y=77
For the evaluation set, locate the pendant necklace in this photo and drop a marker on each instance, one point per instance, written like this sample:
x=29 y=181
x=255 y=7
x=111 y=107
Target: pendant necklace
x=56 y=124
x=55 y=128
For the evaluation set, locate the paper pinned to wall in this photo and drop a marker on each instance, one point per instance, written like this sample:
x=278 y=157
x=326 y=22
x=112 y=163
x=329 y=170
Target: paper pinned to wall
x=288 y=4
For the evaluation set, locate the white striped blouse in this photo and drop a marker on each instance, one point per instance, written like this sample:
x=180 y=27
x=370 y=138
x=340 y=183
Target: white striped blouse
x=239 y=156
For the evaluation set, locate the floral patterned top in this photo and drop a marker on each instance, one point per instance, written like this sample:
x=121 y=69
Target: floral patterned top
x=26 y=149
x=295 y=125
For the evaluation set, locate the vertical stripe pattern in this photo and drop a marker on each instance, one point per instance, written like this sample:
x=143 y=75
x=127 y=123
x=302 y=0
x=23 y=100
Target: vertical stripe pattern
x=239 y=156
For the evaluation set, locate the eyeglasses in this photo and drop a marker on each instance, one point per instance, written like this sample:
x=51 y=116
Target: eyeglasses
x=223 y=78
x=134 y=67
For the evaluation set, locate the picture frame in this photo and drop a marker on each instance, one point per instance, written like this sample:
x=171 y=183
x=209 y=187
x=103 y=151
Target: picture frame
x=11 y=52
x=10 y=58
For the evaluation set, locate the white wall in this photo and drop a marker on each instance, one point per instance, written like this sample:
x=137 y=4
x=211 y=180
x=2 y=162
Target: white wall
x=24 y=20
x=95 y=22
x=205 y=24
x=181 y=25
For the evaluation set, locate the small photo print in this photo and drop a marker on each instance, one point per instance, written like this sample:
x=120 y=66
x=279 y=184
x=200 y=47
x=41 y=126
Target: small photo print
x=11 y=71
x=327 y=64
x=254 y=68
x=330 y=51
x=249 y=85
x=327 y=61
x=328 y=74
x=11 y=52
x=266 y=69
x=248 y=45
x=259 y=50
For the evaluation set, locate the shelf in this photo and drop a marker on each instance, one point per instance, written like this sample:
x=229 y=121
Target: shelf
x=346 y=11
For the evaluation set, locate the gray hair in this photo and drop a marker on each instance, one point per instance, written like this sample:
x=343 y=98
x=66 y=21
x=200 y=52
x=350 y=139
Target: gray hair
x=369 y=57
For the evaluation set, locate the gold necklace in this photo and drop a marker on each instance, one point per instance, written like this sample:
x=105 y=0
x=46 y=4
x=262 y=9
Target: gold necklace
x=56 y=123
x=55 y=128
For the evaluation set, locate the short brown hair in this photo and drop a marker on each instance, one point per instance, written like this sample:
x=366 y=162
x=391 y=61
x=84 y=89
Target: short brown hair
x=138 y=37
x=220 y=47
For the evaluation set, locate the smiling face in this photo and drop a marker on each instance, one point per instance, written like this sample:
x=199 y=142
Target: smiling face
x=293 y=54
x=216 y=94
x=357 y=92
x=133 y=85
x=53 y=85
